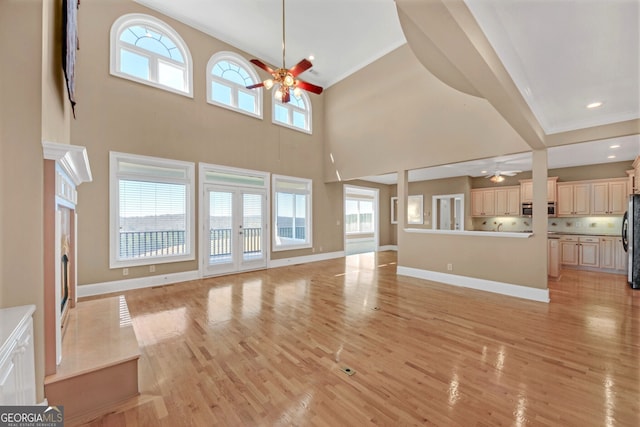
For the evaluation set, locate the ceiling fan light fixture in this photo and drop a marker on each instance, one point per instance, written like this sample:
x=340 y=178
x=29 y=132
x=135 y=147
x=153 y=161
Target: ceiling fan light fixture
x=496 y=178
x=268 y=84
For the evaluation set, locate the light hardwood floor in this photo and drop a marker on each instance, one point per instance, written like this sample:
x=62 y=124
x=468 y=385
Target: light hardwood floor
x=266 y=348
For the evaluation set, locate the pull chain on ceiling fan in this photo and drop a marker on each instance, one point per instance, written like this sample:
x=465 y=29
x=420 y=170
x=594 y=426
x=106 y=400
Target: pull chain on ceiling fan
x=286 y=78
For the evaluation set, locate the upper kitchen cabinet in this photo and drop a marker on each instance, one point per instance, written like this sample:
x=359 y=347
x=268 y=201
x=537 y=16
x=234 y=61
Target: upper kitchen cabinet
x=483 y=202
x=594 y=197
x=609 y=197
x=574 y=198
x=503 y=201
x=526 y=190
x=508 y=201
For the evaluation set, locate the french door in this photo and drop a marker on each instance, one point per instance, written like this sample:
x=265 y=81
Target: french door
x=235 y=227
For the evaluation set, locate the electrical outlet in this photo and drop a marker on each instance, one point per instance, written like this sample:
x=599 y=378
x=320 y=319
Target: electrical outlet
x=450 y=267
x=152 y=269
x=125 y=271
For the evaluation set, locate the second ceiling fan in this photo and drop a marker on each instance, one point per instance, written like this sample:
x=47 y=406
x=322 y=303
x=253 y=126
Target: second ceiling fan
x=286 y=78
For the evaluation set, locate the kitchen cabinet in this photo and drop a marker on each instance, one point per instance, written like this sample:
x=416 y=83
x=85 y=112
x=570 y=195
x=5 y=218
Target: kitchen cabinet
x=636 y=176
x=17 y=366
x=620 y=255
x=609 y=197
x=495 y=201
x=483 y=202
x=612 y=254
x=581 y=251
x=553 y=260
x=526 y=190
x=589 y=252
x=569 y=250
x=507 y=201
x=608 y=252
x=574 y=198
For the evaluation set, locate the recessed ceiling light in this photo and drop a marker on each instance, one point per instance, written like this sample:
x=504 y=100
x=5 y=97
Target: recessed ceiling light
x=611 y=157
x=594 y=104
x=614 y=146
x=483 y=171
x=311 y=57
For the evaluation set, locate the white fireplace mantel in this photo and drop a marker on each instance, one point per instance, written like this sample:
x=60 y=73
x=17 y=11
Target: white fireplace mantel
x=72 y=158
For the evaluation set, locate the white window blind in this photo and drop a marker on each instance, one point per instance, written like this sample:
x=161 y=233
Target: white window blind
x=151 y=210
x=292 y=212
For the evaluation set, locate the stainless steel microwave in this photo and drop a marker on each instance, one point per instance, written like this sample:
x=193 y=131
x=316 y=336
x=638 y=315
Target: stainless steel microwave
x=527 y=209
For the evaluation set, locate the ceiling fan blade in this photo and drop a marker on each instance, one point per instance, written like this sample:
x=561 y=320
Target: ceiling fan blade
x=300 y=67
x=255 y=85
x=262 y=65
x=309 y=87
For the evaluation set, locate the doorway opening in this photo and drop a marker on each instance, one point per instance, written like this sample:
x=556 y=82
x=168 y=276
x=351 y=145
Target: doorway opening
x=361 y=219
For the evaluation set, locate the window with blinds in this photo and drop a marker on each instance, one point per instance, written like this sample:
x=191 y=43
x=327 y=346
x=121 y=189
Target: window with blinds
x=291 y=213
x=151 y=218
x=358 y=216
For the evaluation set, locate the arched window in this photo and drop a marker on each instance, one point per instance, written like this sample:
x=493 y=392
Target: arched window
x=147 y=50
x=228 y=75
x=295 y=114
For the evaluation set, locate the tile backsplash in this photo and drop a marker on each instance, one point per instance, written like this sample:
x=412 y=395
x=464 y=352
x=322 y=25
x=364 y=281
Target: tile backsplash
x=586 y=225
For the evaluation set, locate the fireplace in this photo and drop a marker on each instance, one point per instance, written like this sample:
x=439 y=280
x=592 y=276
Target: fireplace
x=64 y=227
x=65 y=167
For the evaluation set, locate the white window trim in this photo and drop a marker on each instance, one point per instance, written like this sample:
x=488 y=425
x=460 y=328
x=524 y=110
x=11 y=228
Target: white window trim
x=114 y=203
x=290 y=108
x=148 y=20
x=274 y=214
x=233 y=57
x=203 y=168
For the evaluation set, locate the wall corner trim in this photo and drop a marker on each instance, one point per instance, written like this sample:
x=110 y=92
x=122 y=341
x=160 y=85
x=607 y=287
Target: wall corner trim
x=518 y=291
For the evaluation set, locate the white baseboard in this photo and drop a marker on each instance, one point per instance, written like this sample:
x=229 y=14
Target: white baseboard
x=388 y=248
x=137 y=283
x=525 y=292
x=274 y=263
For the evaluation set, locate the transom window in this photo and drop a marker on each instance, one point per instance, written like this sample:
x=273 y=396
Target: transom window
x=295 y=114
x=228 y=76
x=147 y=50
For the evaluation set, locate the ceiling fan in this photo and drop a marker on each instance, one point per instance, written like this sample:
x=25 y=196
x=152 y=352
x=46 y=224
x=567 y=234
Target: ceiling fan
x=286 y=78
x=498 y=176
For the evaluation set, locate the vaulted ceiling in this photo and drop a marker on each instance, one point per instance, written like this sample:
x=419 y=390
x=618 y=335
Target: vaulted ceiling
x=540 y=63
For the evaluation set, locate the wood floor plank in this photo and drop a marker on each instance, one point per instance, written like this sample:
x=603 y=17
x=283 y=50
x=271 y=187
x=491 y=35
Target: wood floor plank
x=266 y=348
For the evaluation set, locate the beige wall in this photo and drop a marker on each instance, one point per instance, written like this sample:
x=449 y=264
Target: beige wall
x=428 y=189
x=29 y=86
x=395 y=115
x=121 y=115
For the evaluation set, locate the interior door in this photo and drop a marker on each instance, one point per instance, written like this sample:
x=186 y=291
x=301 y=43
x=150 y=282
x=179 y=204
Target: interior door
x=235 y=223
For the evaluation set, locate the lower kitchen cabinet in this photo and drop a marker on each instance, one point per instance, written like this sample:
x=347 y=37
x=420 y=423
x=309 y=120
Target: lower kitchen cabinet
x=603 y=253
x=612 y=254
x=569 y=250
x=589 y=252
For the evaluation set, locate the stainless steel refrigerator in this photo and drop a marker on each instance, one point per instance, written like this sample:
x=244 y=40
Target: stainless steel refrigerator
x=631 y=240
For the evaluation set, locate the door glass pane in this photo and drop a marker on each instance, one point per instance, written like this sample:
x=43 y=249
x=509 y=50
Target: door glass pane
x=252 y=226
x=220 y=226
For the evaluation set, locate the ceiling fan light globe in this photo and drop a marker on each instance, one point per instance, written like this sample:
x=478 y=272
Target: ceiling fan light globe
x=288 y=80
x=278 y=94
x=297 y=92
x=268 y=84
